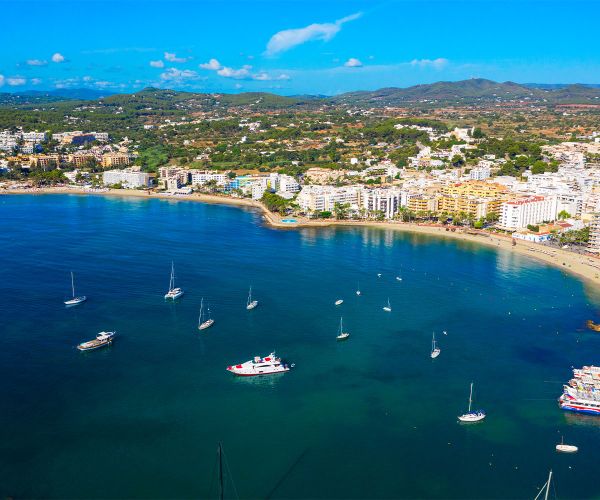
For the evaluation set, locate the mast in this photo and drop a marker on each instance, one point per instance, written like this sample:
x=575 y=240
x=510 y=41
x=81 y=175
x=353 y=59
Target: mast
x=341 y=327
x=172 y=280
x=220 y=453
x=548 y=485
x=470 y=397
x=201 y=311
x=250 y=295
x=433 y=342
x=72 y=284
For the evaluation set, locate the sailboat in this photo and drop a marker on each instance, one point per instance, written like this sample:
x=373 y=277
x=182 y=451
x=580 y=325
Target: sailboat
x=565 y=448
x=472 y=416
x=545 y=488
x=339 y=302
x=388 y=308
x=398 y=278
x=173 y=293
x=204 y=321
x=251 y=304
x=75 y=300
x=435 y=350
x=357 y=288
x=342 y=335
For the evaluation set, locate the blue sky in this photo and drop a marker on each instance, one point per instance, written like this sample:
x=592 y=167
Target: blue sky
x=293 y=46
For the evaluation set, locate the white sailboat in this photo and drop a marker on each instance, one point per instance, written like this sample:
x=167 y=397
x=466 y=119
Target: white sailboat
x=204 y=321
x=435 y=350
x=388 y=308
x=357 y=288
x=251 y=304
x=173 y=293
x=398 y=278
x=472 y=416
x=565 y=448
x=75 y=300
x=342 y=335
x=339 y=302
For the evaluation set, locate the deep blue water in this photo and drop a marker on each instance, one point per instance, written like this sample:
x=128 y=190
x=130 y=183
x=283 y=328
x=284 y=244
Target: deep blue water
x=373 y=417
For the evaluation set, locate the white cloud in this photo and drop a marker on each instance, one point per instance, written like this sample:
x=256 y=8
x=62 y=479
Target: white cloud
x=438 y=63
x=212 y=65
x=283 y=76
x=353 y=62
x=177 y=75
x=238 y=74
x=287 y=39
x=262 y=76
x=172 y=57
x=15 y=81
x=58 y=57
x=1 y=80
x=35 y=81
x=87 y=78
x=238 y=85
x=157 y=64
x=36 y=62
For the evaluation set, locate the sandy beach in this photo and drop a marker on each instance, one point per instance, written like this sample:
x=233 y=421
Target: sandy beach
x=586 y=266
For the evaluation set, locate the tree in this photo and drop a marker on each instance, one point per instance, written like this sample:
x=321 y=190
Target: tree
x=341 y=210
x=563 y=214
x=457 y=161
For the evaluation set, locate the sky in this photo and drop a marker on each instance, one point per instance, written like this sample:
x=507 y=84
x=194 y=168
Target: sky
x=293 y=47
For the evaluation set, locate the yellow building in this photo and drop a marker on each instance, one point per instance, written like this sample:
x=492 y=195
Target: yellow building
x=476 y=198
x=115 y=160
x=478 y=189
x=422 y=203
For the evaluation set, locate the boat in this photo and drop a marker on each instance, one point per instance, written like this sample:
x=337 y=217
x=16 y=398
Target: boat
x=398 y=278
x=358 y=289
x=339 y=302
x=546 y=487
x=388 y=308
x=435 y=350
x=74 y=300
x=260 y=366
x=342 y=335
x=582 y=393
x=472 y=416
x=251 y=304
x=204 y=321
x=173 y=293
x=593 y=326
x=566 y=448
x=101 y=340
x=379 y=275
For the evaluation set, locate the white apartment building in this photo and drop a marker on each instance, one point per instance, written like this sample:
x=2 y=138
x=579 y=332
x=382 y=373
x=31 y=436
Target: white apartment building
x=521 y=212
x=594 y=243
x=387 y=201
x=288 y=184
x=34 y=136
x=201 y=177
x=128 y=178
x=481 y=172
x=323 y=198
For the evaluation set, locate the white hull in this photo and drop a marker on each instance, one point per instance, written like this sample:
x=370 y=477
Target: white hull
x=252 y=305
x=566 y=448
x=260 y=366
x=75 y=301
x=207 y=324
x=339 y=302
x=472 y=417
x=387 y=309
x=435 y=353
x=174 y=294
x=102 y=339
x=343 y=336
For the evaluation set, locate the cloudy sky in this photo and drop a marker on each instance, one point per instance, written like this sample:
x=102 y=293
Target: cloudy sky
x=294 y=46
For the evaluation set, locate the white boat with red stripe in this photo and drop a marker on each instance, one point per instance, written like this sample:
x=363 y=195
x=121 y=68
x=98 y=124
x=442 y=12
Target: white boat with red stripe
x=260 y=366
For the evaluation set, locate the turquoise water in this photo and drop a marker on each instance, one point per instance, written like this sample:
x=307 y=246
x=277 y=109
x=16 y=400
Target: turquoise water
x=372 y=417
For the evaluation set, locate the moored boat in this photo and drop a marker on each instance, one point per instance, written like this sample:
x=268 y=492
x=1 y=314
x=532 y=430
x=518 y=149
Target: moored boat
x=582 y=393
x=204 y=320
x=251 y=304
x=472 y=416
x=173 y=293
x=566 y=448
x=435 y=350
x=342 y=335
x=339 y=302
x=101 y=340
x=388 y=308
x=260 y=366
x=75 y=300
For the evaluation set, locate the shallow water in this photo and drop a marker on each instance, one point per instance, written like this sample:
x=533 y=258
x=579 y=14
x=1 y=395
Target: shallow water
x=370 y=417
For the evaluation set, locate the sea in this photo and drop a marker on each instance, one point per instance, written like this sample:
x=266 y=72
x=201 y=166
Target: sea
x=371 y=417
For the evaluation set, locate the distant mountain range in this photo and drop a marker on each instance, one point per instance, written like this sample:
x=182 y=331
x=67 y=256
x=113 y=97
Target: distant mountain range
x=465 y=92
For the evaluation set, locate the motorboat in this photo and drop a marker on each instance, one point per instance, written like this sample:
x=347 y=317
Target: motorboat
x=260 y=366
x=101 y=340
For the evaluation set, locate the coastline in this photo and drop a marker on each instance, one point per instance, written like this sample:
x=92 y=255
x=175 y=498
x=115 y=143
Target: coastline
x=586 y=267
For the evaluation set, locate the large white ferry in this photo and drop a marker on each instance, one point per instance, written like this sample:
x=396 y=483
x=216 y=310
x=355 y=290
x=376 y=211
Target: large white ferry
x=582 y=393
x=260 y=366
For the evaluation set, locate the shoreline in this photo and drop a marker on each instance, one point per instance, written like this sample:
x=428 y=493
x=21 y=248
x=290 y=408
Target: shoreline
x=586 y=267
